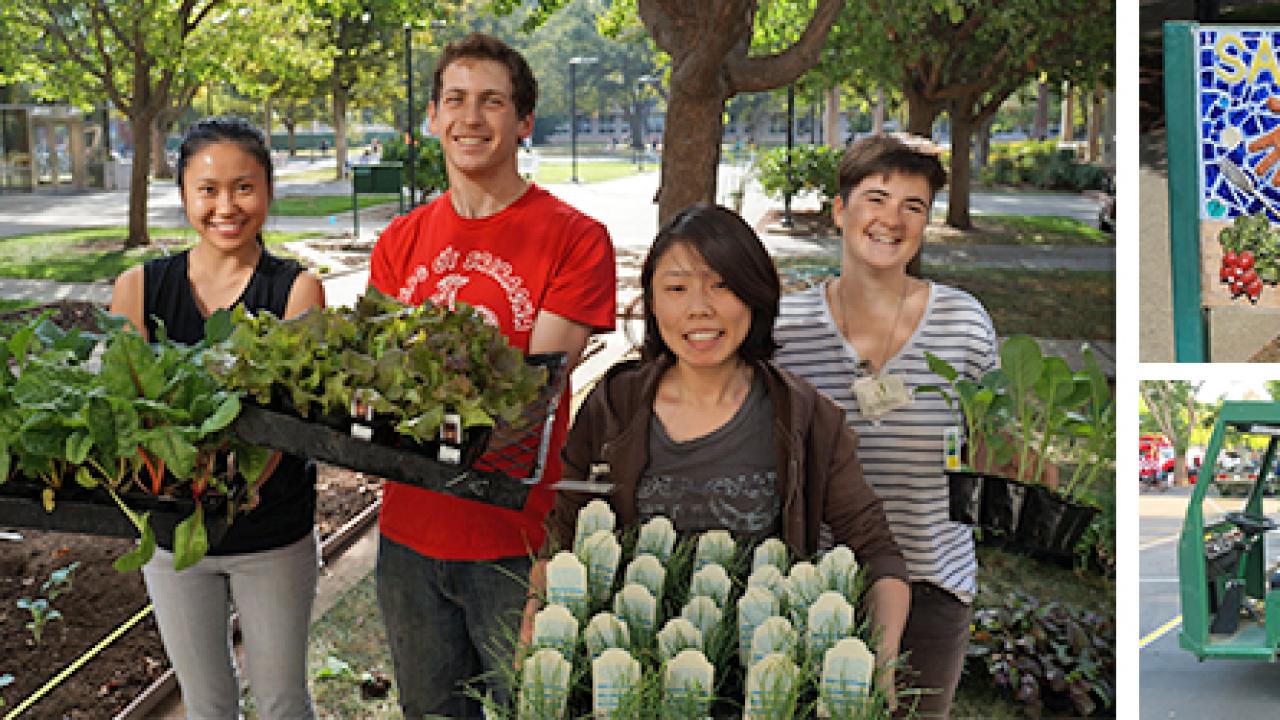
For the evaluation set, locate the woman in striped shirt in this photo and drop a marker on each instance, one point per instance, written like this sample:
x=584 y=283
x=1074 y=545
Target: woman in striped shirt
x=861 y=339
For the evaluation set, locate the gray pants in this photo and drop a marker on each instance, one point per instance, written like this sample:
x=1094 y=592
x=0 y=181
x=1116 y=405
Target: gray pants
x=273 y=591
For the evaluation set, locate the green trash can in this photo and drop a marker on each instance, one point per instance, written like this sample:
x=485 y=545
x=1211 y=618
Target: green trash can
x=384 y=177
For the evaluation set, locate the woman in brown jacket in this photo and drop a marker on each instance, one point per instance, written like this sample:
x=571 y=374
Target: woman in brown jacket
x=706 y=430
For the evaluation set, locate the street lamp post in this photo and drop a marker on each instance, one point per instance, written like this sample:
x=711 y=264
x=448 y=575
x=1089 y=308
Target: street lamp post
x=411 y=149
x=642 y=107
x=791 y=141
x=574 y=62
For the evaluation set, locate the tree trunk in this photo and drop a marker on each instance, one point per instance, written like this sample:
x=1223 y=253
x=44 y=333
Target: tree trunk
x=158 y=152
x=1095 y=126
x=1068 y=114
x=1180 y=469
x=160 y=167
x=690 y=152
x=1109 y=131
x=291 y=123
x=961 y=152
x=1040 y=126
x=921 y=114
x=633 y=119
x=877 y=112
x=266 y=121
x=982 y=150
x=140 y=126
x=340 y=127
x=831 y=119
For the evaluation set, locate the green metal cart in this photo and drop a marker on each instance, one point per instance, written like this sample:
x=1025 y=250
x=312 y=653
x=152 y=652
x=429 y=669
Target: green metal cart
x=1230 y=597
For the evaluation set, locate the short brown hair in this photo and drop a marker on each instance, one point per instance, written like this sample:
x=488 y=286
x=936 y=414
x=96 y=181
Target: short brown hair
x=733 y=250
x=886 y=155
x=524 y=87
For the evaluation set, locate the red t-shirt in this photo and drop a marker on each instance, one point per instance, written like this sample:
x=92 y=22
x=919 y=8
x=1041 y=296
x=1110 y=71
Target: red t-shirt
x=536 y=254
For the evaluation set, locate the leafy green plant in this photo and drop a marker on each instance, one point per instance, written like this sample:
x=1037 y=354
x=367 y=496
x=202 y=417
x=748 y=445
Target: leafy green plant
x=1094 y=429
x=59 y=581
x=1255 y=234
x=411 y=364
x=979 y=404
x=1096 y=550
x=429 y=170
x=813 y=171
x=1041 y=164
x=1040 y=390
x=143 y=417
x=41 y=614
x=1045 y=654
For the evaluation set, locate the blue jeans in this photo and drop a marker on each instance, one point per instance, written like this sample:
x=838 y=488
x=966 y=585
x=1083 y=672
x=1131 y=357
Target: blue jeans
x=447 y=622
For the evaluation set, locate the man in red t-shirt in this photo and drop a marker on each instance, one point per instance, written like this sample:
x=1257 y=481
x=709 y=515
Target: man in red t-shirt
x=451 y=571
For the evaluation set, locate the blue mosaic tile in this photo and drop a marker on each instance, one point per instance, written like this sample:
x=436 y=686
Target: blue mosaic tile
x=1234 y=114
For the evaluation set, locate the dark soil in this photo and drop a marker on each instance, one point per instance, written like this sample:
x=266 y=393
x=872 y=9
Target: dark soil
x=67 y=314
x=99 y=601
x=804 y=224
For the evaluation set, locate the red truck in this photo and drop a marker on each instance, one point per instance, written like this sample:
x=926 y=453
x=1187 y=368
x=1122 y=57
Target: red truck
x=1155 y=461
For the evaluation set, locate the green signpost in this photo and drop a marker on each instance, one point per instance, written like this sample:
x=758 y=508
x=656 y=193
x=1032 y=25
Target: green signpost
x=384 y=177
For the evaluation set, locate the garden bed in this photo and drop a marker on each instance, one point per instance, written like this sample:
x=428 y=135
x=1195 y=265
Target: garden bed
x=100 y=600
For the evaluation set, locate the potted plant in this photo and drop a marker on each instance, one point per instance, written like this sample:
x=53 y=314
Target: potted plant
x=724 y=633
x=413 y=394
x=1030 y=410
x=979 y=406
x=1091 y=430
x=1044 y=396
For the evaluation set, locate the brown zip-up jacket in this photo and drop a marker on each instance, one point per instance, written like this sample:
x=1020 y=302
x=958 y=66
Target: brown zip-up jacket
x=819 y=477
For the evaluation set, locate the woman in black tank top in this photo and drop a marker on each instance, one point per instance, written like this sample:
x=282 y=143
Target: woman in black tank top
x=266 y=564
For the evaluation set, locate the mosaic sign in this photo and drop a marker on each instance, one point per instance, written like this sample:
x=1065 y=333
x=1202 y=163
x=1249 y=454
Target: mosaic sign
x=1238 y=83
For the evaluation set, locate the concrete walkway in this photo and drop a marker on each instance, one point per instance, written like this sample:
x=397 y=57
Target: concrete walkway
x=624 y=205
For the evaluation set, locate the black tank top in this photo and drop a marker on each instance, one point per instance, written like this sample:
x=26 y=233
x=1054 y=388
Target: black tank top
x=287 y=501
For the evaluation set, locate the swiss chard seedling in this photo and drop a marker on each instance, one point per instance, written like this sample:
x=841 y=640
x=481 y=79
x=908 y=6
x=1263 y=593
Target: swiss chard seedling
x=41 y=614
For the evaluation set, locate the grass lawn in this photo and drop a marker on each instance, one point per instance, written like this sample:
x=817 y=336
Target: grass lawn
x=987 y=230
x=316 y=175
x=1020 y=301
x=7 y=305
x=1032 y=301
x=559 y=170
x=321 y=205
x=94 y=254
x=1024 y=230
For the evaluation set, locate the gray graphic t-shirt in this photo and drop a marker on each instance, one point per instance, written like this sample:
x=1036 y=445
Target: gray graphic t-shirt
x=726 y=479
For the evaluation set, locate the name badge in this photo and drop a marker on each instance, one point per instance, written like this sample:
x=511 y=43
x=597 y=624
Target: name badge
x=878 y=396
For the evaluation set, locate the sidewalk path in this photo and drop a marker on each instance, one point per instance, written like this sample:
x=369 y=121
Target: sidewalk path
x=624 y=205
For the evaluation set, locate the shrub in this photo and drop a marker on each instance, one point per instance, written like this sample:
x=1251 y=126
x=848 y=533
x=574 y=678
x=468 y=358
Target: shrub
x=1041 y=164
x=1046 y=654
x=813 y=172
x=428 y=163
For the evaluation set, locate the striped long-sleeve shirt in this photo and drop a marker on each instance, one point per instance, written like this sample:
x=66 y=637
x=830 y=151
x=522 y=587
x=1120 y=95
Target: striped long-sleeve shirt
x=902 y=453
